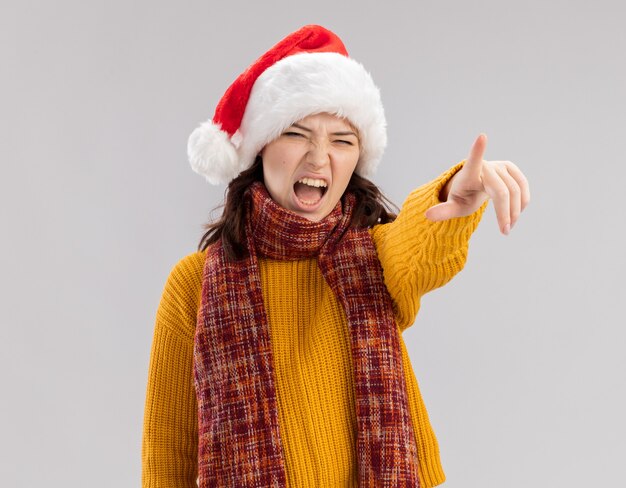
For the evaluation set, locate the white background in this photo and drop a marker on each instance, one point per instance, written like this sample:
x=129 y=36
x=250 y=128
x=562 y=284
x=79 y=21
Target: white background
x=520 y=358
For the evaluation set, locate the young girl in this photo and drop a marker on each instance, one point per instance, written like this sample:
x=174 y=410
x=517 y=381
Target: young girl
x=278 y=358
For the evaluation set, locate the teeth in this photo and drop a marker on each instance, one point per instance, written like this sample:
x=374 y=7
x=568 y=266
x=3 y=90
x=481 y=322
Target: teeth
x=313 y=182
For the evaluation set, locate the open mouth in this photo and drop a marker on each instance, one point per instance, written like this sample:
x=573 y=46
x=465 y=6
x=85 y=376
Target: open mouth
x=309 y=191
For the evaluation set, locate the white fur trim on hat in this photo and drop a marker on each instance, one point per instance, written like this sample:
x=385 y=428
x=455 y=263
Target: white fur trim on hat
x=309 y=83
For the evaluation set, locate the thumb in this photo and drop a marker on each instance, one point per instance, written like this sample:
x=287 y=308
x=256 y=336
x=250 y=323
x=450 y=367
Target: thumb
x=442 y=211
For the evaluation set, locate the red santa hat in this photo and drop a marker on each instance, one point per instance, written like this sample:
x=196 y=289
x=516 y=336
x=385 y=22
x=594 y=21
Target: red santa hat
x=308 y=72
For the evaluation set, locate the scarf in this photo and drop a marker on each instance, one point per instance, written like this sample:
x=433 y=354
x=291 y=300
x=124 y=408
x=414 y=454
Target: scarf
x=239 y=437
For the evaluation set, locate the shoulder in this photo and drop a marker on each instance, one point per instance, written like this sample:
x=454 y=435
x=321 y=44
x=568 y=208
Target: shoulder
x=185 y=277
x=188 y=269
x=181 y=294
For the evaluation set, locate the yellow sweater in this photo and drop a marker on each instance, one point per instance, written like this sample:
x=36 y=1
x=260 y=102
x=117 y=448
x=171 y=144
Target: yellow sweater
x=311 y=348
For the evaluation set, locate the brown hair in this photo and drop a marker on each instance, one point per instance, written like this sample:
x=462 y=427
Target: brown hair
x=372 y=207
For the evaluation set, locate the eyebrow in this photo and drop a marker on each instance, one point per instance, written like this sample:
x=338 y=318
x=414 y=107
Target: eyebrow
x=346 y=133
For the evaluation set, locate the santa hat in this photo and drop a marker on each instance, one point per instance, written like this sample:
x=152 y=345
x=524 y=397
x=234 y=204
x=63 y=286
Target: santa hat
x=308 y=72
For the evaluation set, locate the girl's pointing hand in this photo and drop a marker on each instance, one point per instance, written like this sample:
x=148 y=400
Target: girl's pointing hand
x=466 y=191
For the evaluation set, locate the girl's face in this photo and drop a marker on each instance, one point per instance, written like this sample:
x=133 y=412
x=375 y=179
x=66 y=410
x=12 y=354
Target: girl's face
x=308 y=167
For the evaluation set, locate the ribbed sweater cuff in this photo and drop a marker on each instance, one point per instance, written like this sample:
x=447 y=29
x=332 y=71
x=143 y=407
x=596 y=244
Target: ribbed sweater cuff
x=438 y=241
x=431 y=472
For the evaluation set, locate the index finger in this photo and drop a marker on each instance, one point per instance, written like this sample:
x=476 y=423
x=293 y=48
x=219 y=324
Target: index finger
x=473 y=163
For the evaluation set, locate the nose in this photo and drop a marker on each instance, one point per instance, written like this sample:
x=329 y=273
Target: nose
x=318 y=155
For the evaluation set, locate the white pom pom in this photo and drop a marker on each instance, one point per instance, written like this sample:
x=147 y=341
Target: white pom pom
x=212 y=155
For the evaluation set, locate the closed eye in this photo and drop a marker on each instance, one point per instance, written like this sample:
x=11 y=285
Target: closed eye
x=345 y=142
x=293 y=134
